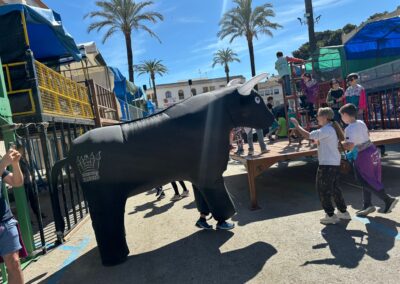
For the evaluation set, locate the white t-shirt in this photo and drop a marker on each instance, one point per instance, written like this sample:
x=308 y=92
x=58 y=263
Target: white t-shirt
x=357 y=133
x=328 y=146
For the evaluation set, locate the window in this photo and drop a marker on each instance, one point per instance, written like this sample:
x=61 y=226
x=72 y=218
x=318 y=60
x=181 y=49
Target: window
x=181 y=94
x=212 y=88
x=222 y=86
x=205 y=89
x=276 y=91
x=194 y=91
x=168 y=95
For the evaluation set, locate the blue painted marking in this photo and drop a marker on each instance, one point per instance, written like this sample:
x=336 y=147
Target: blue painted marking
x=75 y=252
x=380 y=227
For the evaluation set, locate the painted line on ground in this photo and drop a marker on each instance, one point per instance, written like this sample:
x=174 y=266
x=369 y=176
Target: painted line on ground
x=379 y=227
x=75 y=253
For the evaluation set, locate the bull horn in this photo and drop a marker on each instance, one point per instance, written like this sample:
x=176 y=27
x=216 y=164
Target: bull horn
x=234 y=82
x=245 y=90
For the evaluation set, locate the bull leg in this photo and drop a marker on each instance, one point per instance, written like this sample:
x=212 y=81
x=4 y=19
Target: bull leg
x=107 y=214
x=218 y=200
x=201 y=203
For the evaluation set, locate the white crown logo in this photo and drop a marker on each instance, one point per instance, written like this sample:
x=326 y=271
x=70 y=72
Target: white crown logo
x=89 y=164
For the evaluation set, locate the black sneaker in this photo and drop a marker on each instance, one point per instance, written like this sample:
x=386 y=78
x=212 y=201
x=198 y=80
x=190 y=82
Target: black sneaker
x=202 y=224
x=390 y=205
x=225 y=226
x=366 y=211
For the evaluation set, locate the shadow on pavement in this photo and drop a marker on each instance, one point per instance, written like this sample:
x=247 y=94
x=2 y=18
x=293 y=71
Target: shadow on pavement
x=286 y=191
x=194 y=259
x=348 y=247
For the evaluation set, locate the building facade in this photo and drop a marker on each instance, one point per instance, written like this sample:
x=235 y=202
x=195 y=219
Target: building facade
x=272 y=88
x=172 y=93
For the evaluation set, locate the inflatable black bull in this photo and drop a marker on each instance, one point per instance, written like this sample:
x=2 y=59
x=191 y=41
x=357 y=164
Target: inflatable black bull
x=187 y=141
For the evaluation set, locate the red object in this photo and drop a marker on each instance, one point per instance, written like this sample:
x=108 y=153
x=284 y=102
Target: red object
x=22 y=252
x=294 y=60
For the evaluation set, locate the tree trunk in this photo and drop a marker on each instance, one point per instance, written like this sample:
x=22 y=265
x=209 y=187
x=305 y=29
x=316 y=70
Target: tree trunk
x=129 y=53
x=251 y=52
x=153 y=81
x=227 y=73
x=253 y=64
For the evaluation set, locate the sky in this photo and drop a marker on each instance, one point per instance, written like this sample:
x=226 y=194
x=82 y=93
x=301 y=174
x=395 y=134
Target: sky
x=189 y=34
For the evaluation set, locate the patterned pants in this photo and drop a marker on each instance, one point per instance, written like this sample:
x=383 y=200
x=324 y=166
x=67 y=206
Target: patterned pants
x=327 y=188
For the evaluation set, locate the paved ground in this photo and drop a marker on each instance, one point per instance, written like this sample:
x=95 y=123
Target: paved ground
x=281 y=243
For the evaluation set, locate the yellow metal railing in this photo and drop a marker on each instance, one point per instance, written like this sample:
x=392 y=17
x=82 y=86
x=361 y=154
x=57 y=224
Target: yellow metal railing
x=11 y=90
x=59 y=96
x=62 y=96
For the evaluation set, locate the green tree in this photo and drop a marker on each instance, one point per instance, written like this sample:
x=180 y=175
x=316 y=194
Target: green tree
x=124 y=16
x=223 y=57
x=153 y=68
x=325 y=38
x=244 y=21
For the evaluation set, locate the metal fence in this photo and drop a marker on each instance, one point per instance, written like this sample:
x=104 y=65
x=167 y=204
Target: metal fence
x=44 y=144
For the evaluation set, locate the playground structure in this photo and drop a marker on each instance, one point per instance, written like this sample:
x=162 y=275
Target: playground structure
x=93 y=72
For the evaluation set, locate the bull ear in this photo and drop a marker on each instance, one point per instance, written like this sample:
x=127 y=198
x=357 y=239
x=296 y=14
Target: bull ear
x=245 y=90
x=234 y=82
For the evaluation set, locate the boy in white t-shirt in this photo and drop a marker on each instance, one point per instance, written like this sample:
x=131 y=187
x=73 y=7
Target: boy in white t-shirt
x=327 y=139
x=367 y=164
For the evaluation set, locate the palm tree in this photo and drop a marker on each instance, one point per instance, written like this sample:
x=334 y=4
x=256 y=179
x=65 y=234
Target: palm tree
x=224 y=57
x=125 y=16
x=242 y=20
x=152 y=67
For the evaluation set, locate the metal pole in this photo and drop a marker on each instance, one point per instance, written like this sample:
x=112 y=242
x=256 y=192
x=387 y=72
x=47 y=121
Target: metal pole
x=35 y=188
x=64 y=197
x=77 y=183
x=310 y=23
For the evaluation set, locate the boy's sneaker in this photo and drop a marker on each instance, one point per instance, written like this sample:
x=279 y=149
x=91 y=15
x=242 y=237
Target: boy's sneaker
x=159 y=190
x=239 y=152
x=390 y=205
x=264 y=151
x=161 y=196
x=330 y=219
x=366 y=211
x=251 y=152
x=343 y=215
x=176 y=197
x=202 y=224
x=225 y=226
x=185 y=193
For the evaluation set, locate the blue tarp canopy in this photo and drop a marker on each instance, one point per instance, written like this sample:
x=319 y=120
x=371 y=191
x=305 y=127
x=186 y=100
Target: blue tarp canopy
x=122 y=93
x=47 y=37
x=374 y=40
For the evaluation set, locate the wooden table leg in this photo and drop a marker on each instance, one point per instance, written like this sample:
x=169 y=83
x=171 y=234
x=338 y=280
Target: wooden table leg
x=252 y=186
x=254 y=169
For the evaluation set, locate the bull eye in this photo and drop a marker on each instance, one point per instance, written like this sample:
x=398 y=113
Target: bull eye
x=257 y=100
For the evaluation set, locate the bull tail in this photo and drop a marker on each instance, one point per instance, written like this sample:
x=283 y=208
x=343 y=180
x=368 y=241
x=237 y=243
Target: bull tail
x=58 y=218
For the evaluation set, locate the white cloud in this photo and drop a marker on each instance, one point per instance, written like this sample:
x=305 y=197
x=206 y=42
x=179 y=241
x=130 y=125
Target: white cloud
x=224 y=7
